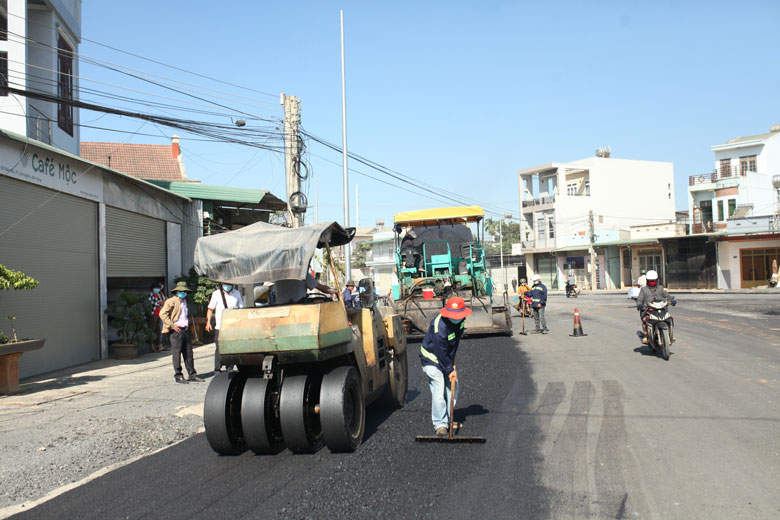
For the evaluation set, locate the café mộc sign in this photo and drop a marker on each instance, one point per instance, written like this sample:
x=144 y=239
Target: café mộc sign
x=52 y=170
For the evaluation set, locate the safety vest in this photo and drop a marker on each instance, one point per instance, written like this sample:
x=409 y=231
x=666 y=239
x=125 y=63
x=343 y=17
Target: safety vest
x=451 y=336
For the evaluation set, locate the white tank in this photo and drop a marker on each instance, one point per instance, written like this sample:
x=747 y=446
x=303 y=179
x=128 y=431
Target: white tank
x=603 y=152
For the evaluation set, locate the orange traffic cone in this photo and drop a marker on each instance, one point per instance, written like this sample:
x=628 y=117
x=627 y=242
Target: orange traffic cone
x=577 y=325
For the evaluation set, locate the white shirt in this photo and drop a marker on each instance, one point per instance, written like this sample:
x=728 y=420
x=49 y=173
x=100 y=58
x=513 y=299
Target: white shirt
x=233 y=299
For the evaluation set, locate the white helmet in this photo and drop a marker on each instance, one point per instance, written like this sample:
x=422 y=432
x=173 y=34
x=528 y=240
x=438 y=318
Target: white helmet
x=651 y=275
x=536 y=278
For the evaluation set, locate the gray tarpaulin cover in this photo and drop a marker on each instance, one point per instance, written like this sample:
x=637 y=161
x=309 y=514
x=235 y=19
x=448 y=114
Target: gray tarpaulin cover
x=264 y=252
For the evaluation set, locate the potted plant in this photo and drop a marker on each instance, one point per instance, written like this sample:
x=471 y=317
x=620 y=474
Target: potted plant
x=12 y=348
x=198 y=300
x=129 y=316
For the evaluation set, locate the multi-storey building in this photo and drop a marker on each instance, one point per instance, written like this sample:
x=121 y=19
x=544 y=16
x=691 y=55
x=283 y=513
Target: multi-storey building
x=564 y=207
x=741 y=183
x=39 y=42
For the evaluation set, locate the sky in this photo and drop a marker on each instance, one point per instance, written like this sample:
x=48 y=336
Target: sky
x=456 y=95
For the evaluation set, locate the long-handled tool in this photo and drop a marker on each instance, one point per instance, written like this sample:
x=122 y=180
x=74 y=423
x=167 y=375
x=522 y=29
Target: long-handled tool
x=451 y=437
x=522 y=312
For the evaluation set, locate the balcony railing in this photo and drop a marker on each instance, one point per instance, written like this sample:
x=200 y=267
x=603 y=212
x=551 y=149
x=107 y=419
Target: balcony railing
x=538 y=202
x=716 y=175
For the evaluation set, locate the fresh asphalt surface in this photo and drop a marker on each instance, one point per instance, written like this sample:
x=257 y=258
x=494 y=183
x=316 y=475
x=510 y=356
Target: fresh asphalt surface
x=590 y=427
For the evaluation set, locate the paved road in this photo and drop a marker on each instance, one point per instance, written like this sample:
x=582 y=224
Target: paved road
x=577 y=428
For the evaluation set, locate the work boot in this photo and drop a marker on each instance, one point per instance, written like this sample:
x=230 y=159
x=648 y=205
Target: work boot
x=545 y=331
x=442 y=430
x=180 y=379
x=644 y=340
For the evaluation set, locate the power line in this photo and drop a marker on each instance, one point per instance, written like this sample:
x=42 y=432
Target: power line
x=151 y=60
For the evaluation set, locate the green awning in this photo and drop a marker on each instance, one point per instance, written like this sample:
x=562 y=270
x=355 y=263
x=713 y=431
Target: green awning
x=244 y=197
x=378 y=241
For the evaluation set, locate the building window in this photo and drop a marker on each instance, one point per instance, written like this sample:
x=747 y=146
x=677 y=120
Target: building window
x=65 y=85
x=732 y=206
x=3 y=20
x=587 y=188
x=540 y=228
x=725 y=167
x=3 y=73
x=747 y=164
x=648 y=261
x=571 y=189
x=720 y=210
x=551 y=227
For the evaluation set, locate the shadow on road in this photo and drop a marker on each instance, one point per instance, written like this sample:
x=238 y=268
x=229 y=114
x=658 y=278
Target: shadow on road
x=645 y=351
x=475 y=409
x=57 y=384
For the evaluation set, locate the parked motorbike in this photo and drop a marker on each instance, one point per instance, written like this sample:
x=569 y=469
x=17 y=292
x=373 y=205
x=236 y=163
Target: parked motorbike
x=660 y=327
x=572 y=291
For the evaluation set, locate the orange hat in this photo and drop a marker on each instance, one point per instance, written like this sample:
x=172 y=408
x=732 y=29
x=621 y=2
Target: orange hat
x=455 y=309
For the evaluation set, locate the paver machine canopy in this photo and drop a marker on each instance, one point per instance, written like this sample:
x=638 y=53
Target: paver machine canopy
x=305 y=370
x=438 y=256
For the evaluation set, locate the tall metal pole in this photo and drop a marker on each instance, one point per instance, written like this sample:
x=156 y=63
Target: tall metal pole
x=592 y=251
x=316 y=199
x=501 y=248
x=347 y=248
x=357 y=205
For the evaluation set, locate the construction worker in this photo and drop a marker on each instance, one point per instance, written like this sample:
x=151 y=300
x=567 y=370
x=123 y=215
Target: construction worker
x=437 y=356
x=519 y=300
x=538 y=294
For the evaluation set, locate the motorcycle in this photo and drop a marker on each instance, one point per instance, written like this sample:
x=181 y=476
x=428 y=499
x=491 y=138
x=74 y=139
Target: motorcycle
x=572 y=291
x=660 y=327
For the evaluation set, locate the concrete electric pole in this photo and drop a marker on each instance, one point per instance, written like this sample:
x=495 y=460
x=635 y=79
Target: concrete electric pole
x=592 y=253
x=296 y=200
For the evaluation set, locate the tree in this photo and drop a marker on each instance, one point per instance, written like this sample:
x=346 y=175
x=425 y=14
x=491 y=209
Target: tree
x=359 y=254
x=17 y=281
x=511 y=233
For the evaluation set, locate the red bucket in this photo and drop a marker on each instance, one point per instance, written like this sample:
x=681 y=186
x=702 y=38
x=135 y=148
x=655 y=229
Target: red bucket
x=427 y=294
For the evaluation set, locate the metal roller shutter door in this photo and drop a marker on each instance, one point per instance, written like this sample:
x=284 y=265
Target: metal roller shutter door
x=135 y=245
x=52 y=237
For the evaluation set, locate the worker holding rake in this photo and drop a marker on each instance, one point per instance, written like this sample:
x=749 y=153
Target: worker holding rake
x=437 y=356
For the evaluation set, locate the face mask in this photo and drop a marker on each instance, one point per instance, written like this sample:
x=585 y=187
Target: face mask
x=156 y=290
x=455 y=322
x=181 y=294
x=227 y=288
x=652 y=283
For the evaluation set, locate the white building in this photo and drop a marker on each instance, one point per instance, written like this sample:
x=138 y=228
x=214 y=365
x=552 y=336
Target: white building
x=556 y=201
x=38 y=54
x=381 y=261
x=740 y=185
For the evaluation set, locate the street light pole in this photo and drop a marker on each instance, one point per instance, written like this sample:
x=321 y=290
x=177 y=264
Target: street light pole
x=501 y=238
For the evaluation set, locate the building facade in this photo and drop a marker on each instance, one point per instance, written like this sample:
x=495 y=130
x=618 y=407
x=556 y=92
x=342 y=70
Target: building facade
x=39 y=54
x=564 y=207
x=741 y=183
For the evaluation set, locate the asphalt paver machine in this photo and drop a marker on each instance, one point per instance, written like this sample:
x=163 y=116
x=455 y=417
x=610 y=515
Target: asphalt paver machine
x=440 y=254
x=305 y=371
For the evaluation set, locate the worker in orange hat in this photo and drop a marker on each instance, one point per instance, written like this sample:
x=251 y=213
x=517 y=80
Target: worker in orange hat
x=437 y=356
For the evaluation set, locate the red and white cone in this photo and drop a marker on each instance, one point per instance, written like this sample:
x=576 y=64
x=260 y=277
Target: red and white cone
x=577 y=325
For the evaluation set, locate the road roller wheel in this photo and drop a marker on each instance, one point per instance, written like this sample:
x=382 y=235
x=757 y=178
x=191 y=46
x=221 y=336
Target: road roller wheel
x=222 y=413
x=297 y=412
x=342 y=409
x=394 y=395
x=260 y=417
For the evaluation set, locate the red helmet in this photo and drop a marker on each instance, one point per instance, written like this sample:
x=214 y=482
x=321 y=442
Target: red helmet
x=455 y=309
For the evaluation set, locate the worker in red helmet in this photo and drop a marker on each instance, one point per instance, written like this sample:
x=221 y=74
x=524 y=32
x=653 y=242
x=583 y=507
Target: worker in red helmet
x=437 y=356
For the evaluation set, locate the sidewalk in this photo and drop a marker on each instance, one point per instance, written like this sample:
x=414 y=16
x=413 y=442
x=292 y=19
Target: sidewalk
x=72 y=423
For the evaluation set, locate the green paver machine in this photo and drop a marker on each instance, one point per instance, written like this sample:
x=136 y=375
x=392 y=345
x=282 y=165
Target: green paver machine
x=437 y=257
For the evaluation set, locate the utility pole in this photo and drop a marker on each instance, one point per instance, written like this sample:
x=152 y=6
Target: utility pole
x=592 y=253
x=347 y=248
x=296 y=201
x=357 y=205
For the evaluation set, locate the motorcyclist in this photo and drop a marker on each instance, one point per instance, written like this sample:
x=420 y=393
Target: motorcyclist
x=571 y=283
x=653 y=291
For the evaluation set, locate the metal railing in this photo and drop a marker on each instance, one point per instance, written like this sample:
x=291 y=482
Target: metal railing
x=538 y=202
x=719 y=174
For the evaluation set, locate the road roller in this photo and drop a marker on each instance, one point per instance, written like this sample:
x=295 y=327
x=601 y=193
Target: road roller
x=305 y=370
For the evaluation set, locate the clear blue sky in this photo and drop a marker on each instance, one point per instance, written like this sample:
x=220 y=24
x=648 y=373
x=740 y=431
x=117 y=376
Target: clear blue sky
x=460 y=95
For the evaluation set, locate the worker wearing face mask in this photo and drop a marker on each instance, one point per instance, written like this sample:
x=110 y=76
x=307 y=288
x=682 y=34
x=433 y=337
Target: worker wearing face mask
x=437 y=356
x=175 y=317
x=225 y=297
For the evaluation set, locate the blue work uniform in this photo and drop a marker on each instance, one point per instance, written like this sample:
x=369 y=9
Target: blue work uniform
x=538 y=294
x=350 y=300
x=441 y=343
